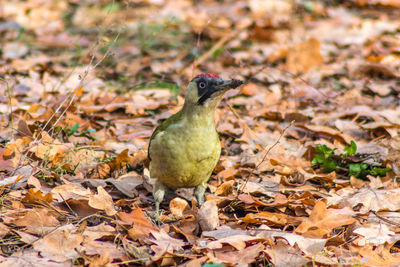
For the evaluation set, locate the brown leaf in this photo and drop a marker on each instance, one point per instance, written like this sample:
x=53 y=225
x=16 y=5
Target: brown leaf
x=38 y=221
x=208 y=215
x=327 y=132
x=271 y=218
x=30 y=257
x=101 y=171
x=99 y=231
x=61 y=244
x=37 y=197
x=243 y=257
x=3 y=230
x=377 y=70
x=378 y=256
x=70 y=191
x=178 y=207
x=120 y=161
x=304 y=56
x=310 y=246
x=282 y=254
x=323 y=220
x=225 y=189
x=164 y=243
x=368 y=199
x=142 y=226
x=102 y=201
x=236 y=241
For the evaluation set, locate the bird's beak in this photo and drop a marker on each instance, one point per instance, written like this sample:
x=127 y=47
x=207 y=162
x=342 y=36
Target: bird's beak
x=229 y=84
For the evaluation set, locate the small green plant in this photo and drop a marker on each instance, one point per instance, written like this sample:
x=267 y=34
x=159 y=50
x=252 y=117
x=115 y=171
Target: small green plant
x=323 y=158
x=349 y=163
x=73 y=131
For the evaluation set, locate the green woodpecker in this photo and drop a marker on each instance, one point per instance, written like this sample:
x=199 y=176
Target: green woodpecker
x=185 y=148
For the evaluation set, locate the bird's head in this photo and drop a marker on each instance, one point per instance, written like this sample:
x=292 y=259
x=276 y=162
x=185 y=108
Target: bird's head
x=208 y=89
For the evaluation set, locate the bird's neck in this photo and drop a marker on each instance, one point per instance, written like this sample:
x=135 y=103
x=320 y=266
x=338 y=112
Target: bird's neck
x=198 y=115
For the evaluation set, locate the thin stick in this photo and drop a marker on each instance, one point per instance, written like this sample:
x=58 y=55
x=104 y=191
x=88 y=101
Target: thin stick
x=384 y=219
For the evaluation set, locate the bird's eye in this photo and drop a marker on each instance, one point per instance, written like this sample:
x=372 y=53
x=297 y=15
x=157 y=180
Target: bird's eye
x=202 y=85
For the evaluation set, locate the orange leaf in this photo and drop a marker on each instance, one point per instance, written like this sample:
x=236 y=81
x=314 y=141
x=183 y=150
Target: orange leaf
x=323 y=220
x=120 y=161
x=37 y=197
x=142 y=226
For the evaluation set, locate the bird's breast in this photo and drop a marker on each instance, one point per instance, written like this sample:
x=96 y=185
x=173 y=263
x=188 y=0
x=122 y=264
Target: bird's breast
x=184 y=155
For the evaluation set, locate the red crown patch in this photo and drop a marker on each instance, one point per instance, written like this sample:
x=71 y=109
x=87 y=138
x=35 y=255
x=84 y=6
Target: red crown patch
x=210 y=75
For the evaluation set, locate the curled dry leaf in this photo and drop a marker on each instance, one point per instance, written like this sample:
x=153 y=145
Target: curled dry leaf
x=178 y=207
x=37 y=197
x=102 y=201
x=208 y=215
x=120 y=161
x=225 y=188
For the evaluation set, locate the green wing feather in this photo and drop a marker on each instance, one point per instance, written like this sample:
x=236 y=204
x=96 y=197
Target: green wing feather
x=163 y=126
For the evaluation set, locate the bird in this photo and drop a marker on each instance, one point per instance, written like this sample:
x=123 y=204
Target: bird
x=185 y=148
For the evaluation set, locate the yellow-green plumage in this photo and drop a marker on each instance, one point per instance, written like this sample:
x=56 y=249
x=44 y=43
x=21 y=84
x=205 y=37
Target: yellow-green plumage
x=185 y=148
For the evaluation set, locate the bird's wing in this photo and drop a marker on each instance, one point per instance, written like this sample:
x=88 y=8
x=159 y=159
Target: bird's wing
x=162 y=127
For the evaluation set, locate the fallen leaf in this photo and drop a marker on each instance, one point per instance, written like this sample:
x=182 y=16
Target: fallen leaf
x=102 y=201
x=142 y=226
x=323 y=220
x=61 y=244
x=178 y=207
x=163 y=243
x=208 y=215
x=38 y=221
x=304 y=56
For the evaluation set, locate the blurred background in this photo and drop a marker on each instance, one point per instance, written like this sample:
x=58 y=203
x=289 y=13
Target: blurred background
x=157 y=41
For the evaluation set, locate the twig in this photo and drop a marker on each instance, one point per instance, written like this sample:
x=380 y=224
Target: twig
x=384 y=219
x=263 y=159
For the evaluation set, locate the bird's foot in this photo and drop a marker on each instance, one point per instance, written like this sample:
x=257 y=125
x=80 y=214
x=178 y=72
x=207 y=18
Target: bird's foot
x=199 y=193
x=158 y=193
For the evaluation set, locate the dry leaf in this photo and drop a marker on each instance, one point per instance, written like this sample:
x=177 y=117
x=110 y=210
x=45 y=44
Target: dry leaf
x=208 y=215
x=304 y=56
x=323 y=220
x=102 y=201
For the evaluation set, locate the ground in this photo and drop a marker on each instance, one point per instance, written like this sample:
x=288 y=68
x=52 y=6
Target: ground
x=308 y=174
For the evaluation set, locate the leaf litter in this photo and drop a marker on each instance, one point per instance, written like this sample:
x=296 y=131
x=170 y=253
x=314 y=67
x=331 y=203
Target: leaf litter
x=309 y=165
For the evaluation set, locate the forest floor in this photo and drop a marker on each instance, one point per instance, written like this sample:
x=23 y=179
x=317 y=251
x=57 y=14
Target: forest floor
x=308 y=174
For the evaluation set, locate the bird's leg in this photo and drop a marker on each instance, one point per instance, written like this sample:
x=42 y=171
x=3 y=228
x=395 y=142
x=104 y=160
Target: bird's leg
x=158 y=194
x=199 y=193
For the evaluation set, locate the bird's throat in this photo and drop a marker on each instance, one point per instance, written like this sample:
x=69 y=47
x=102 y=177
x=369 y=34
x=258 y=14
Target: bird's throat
x=200 y=115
